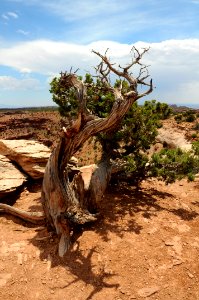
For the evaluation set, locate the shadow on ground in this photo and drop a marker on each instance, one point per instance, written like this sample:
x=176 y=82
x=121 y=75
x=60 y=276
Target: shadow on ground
x=115 y=206
x=119 y=214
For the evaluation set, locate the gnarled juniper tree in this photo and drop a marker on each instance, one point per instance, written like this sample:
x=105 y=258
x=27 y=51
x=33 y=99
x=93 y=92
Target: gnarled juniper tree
x=96 y=107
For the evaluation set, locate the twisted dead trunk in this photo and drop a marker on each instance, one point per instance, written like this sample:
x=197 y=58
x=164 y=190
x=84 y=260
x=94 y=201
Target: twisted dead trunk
x=66 y=202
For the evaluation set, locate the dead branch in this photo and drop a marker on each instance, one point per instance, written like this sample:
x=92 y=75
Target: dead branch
x=133 y=81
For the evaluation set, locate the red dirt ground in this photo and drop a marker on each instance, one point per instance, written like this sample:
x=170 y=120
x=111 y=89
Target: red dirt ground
x=144 y=246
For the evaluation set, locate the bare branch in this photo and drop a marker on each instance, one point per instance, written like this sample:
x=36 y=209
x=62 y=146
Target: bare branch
x=140 y=79
x=106 y=61
x=148 y=91
x=104 y=71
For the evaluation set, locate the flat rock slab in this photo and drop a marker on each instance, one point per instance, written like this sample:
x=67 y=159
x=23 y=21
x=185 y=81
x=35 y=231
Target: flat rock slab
x=31 y=156
x=10 y=178
x=173 y=139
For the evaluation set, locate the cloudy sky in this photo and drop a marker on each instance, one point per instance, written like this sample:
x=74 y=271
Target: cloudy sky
x=39 y=38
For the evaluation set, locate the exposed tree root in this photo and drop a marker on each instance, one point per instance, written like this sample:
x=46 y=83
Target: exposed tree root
x=33 y=217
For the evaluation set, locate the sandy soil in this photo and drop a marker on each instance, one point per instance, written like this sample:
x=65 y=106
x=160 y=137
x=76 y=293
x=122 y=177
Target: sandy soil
x=145 y=245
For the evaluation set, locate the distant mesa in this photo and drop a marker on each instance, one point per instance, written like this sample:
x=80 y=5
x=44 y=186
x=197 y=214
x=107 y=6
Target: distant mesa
x=182 y=108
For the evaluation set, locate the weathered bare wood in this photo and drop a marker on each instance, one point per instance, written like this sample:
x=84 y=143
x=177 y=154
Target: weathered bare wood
x=33 y=217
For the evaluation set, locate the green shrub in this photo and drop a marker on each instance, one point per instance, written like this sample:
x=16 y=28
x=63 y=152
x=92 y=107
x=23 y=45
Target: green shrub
x=196 y=127
x=190 y=118
x=194 y=135
x=178 y=117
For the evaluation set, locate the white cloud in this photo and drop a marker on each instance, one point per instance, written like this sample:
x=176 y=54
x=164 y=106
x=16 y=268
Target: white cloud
x=174 y=63
x=8 y=15
x=12 y=83
x=5 y=17
x=23 y=32
x=12 y=14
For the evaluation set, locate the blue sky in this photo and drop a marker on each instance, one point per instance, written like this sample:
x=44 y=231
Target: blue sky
x=38 y=39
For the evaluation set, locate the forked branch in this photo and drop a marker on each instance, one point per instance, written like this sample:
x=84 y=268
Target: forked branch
x=106 y=66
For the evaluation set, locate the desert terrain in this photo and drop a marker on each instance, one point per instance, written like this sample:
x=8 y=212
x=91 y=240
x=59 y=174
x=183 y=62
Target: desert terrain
x=145 y=245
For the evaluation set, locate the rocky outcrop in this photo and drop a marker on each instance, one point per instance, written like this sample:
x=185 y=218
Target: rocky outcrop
x=31 y=156
x=173 y=138
x=11 y=179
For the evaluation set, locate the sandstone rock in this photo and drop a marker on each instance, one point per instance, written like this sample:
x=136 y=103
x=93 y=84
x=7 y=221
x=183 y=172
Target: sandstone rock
x=10 y=178
x=31 y=156
x=173 y=138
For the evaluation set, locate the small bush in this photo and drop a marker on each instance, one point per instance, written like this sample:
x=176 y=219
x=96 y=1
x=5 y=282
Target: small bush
x=191 y=177
x=178 y=117
x=196 y=127
x=194 y=135
x=190 y=118
x=188 y=112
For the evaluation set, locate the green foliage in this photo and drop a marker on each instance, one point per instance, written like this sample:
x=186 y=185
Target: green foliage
x=98 y=101
x=172 y=164
x=196 y=148
x=163 y=110
x=196 y=127
x=187 y=116
x=189 y=112
x=194 y=135
x=139 y=127
x=65 y=99
x=178 y=117
x=190 y=118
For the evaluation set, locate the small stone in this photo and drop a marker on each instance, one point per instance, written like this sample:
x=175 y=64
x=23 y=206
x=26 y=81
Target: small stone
x=177 y=262
x=169 y=243
x=190 y=275
x=148 y=291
